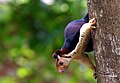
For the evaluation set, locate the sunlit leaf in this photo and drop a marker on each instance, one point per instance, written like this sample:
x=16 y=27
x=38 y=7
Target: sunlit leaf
x=23 y=72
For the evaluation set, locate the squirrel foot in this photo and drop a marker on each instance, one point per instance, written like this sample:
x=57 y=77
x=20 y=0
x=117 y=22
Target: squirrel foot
x=95 y=75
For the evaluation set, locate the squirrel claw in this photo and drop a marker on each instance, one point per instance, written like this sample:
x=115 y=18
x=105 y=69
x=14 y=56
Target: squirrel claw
x=93 y=21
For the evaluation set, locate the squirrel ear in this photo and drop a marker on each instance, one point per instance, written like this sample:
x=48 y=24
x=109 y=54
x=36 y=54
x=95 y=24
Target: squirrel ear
x=55 y=55
x=58 y=52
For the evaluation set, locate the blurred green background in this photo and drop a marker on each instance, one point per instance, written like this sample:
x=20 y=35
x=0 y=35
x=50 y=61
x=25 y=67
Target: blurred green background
x=30 y=31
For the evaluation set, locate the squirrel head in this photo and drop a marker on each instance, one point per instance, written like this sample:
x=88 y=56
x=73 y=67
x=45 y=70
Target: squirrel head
x=62 y=61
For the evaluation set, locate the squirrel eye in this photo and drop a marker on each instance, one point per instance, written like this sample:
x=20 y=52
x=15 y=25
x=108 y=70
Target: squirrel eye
x=61 y=63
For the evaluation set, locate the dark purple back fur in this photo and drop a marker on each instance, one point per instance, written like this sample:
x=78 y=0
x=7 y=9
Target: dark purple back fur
x=71 y=34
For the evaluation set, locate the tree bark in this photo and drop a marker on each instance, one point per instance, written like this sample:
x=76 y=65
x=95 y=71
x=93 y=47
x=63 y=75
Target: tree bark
x=106 y=39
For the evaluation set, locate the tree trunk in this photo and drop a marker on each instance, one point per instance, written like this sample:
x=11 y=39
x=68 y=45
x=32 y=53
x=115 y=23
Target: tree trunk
x=106 y=39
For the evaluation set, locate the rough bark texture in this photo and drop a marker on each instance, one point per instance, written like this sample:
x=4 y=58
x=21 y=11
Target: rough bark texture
x=106 y=39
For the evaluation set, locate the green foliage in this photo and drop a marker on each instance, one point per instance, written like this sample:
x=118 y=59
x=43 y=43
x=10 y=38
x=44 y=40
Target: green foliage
x=30 y=31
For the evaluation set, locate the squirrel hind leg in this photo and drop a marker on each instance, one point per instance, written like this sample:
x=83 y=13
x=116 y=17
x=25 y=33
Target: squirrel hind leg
x=95 y=75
